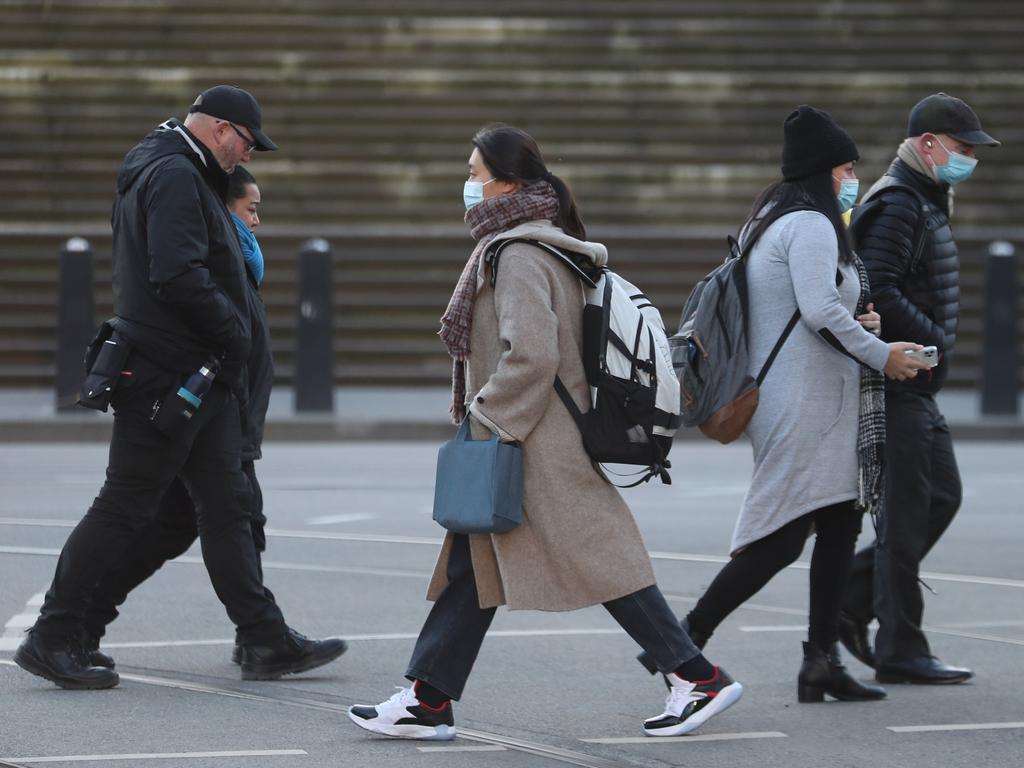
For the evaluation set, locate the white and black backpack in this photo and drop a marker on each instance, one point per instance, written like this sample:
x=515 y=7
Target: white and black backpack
x=634 y=393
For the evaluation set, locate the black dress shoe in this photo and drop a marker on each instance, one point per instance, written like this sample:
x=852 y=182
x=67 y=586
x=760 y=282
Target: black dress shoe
x=292 y=653
x=93 y=654
x=823 y=672
x=924 y=670
x=853 y=634
x=65 y=664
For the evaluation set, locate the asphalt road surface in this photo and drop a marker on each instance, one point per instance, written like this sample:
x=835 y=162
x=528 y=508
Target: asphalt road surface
x=351 y=545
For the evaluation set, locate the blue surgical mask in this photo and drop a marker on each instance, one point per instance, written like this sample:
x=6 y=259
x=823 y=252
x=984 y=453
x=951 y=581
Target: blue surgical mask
x=473 y=192
x=848 y=189
x=957 y=168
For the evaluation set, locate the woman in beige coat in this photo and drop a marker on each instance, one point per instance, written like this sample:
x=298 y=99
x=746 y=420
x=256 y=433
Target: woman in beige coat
x=578 y=544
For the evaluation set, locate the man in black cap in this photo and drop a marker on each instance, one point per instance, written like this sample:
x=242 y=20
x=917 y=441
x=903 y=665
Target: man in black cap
x=182 y=313
x=907 y=245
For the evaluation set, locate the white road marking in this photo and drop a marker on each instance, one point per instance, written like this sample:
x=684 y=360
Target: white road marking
x=582 y=632
x=677 y=740
x=775 y=628
x=480 y=748
x=351 y=517
x=14 y=629
x=30 y=551
x=157 y=756
x=520 y=745
x=271 y=564
x=955 y=727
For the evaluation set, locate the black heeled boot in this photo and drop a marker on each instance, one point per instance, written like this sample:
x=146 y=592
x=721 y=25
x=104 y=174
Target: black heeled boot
x=823 y=672
x=697 y=637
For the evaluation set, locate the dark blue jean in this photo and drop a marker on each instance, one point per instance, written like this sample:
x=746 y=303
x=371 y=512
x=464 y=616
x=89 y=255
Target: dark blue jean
x=450 y=639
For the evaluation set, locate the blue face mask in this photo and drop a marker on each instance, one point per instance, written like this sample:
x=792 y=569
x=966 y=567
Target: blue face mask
x=473 y=192
x=957 y=168
x=848 y=189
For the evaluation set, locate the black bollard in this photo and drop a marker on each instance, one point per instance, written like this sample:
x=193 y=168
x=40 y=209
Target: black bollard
x=75 y=320
x=314 y=340
x=1000 y=365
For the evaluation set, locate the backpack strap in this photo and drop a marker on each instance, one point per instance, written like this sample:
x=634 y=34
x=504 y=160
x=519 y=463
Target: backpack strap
x=874 y=205
x=577 y=263
x=785 y=335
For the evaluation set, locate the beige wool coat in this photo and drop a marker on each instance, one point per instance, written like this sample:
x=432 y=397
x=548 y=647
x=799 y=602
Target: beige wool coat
x=578 y=544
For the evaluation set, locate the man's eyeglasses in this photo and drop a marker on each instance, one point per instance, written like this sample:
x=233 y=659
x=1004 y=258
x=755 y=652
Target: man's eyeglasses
x=250 y=144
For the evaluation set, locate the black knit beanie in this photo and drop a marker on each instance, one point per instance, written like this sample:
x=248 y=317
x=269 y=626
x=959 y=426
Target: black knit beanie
x=814 y=142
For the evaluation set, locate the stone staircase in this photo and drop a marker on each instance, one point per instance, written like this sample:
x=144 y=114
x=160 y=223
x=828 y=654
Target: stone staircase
x=665 y=117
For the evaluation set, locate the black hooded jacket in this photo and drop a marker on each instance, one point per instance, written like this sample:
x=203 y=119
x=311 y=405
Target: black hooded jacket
x=179 y=278
x=918 y=302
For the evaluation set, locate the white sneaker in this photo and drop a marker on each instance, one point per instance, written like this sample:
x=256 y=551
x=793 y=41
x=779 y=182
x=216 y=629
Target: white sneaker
x=690 y=705
x=404 y=716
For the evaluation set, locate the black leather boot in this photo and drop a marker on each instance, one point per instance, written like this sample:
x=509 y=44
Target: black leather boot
x=292 y=653
x=64 y=663
x=823 y=672
x=93 y=654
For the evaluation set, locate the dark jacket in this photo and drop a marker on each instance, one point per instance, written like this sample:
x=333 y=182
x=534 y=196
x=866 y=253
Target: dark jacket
x=260 y=369
x=180 y=286
x=919 y=303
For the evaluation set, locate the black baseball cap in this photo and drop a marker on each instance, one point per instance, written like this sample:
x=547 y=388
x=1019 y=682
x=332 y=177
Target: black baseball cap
x=238 y=106
x=942 y=113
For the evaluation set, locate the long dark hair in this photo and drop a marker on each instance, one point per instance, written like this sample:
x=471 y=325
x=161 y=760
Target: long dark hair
x=511 y=154
x=813 y=191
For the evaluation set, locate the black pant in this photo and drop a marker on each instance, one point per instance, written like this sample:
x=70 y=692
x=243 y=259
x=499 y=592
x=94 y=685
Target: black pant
x=169 y=535
x=836 y=528
x=142 y=464
x=922 y=495
x=451 y=637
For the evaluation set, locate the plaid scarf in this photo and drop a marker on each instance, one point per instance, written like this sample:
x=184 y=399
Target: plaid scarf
x=486 y=219
x=871 y=423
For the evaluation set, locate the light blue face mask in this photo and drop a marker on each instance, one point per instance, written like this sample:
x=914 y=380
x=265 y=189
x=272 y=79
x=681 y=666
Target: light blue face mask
x=847 y=196
x=473 y=192
x=957 y=168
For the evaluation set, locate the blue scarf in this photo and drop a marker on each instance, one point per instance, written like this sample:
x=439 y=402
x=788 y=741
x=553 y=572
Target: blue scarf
x=250 y=249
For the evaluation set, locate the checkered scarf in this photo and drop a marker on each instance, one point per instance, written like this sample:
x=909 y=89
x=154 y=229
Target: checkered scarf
x=871 y=423
x=486 y=219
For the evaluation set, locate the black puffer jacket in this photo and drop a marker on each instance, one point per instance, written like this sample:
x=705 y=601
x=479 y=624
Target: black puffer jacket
x=919 y=302
x=180 y=290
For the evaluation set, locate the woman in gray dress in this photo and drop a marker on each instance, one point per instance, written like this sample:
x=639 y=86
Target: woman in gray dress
x=808 y=473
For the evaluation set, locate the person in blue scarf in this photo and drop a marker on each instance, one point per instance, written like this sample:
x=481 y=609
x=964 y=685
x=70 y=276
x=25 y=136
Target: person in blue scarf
x=243 y=201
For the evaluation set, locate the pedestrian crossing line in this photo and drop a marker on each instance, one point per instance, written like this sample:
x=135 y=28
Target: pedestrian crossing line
x=371 y=538
x=155 y=756
x=14 y=629
x=955 y=727
x=287 y=698
x=475 y=748
x=677 y=740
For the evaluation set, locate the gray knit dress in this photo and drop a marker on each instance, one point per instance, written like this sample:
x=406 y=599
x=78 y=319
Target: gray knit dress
x=804 y=432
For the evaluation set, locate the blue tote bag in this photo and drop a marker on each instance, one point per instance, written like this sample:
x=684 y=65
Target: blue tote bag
x=479 y=484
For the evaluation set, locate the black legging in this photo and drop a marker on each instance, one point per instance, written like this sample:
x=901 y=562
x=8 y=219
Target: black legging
x=836 y=528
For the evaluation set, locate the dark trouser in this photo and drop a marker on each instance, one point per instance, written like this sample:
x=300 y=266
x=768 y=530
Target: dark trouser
x=836 y=528
x=923 y=494
x=170 y=534
x=142 y=464
x=454 y=631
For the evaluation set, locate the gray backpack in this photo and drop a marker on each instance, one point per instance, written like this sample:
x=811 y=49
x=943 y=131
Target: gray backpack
x=710 y=352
